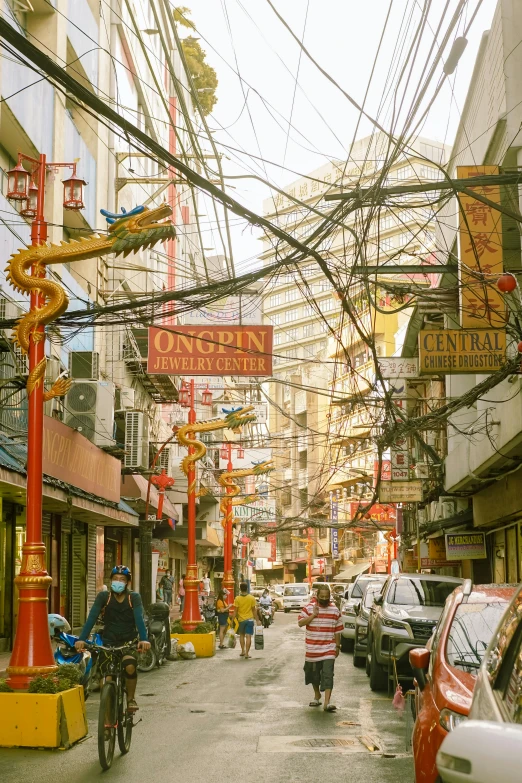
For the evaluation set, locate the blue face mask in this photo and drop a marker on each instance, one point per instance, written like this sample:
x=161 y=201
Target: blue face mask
x=118 y=587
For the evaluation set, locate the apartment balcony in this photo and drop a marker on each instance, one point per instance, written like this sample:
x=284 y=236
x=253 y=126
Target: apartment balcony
x=76 y=149
x=161 y=388
x=302 y=442
x=302 y=478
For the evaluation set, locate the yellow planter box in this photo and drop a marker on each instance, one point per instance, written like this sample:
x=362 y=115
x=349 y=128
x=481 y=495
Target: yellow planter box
x=204 y=643
x=42 y=720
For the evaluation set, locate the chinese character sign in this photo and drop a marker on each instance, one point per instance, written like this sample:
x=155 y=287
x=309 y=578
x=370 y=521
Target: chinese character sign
x=482 y=304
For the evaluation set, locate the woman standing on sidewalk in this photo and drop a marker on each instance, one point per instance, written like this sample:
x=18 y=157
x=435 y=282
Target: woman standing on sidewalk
x=181 y=593
x=222 y=613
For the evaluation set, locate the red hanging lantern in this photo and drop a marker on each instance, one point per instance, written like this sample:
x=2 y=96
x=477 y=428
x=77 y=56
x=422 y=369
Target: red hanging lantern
x=183 y=396
x=29 y=211
x=224 y=452
x=18 y=183
x=73 y=192
x=206 y=397
x=507 y=283
x=240 y=452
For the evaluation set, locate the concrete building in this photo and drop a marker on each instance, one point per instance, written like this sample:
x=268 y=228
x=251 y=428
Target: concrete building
x=311 y=331
x=125 y=56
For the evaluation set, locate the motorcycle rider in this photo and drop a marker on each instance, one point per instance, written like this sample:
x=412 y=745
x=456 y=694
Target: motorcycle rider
x=266 y=602
x=122 y=611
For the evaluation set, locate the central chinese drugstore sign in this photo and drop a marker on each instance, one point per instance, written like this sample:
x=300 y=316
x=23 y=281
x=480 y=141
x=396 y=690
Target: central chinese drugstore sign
x=461 y=350
x=210 y=350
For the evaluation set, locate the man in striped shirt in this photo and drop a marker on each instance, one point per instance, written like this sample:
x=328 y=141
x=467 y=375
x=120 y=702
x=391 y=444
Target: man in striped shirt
x=323 y=641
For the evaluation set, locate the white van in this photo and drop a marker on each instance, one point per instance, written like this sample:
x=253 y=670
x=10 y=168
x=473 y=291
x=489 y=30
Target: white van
x=296 y=596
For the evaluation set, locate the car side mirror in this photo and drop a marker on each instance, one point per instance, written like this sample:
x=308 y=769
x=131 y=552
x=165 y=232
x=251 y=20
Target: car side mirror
x=378 y=600
x=484 y=746
x=419 y=661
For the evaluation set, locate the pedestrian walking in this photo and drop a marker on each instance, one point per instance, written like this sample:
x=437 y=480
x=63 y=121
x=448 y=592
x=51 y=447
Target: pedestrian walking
x=206 y=584
x=245 y=609
x=322 y=620
x=181 y=593
x=222 y=613
x=167 y=583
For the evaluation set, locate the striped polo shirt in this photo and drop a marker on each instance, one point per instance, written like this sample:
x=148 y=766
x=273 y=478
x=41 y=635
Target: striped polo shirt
x=320 y=633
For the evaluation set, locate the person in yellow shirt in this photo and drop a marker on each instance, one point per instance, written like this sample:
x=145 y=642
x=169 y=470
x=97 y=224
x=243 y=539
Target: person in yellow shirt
x=245 y=609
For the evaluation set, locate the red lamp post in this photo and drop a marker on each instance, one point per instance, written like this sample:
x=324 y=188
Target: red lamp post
x=32 y=654
x=191 y=616
x=228 y=576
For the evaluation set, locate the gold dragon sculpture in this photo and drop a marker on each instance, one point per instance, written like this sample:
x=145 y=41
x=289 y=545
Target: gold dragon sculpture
x=232 y=421
x=137 y=229
x=227 y=480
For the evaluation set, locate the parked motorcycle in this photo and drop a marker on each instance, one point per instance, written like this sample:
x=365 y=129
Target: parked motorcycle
x=158 y=631
x=265 y=613
x=65 y=652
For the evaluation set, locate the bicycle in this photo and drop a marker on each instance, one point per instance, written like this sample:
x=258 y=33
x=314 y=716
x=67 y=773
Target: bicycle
x=113 y=717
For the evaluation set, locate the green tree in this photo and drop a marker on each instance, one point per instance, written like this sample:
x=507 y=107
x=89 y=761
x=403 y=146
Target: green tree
x=203 y=75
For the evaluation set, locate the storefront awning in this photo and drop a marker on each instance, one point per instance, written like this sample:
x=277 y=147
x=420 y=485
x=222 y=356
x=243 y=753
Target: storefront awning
x=351 y=571
x=134 y=490
x=59 y=498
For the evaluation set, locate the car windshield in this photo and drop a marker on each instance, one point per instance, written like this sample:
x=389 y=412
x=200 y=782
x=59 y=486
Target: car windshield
x=410 y=591
x=371 y=592
x=296 y=590
x=358 y=588
x=471 y=632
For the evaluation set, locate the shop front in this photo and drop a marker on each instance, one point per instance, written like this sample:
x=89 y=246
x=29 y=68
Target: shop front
x=497 y=511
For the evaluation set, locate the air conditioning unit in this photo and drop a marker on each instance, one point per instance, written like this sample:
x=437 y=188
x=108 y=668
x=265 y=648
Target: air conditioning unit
x=84 y=364
x=136 y=440
x=52 y=372
x=127 y=396
x=165 y=460
x=9 y=309
x=422 y=470
x=89 y=409
x=421 y=516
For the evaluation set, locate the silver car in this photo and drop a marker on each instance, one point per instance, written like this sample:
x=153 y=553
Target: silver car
x=349 y=608
x=404 y=616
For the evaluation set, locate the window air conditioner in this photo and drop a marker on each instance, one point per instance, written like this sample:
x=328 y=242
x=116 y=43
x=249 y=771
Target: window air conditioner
x=84 y=364
x=127 y=396
x=136 y=440
x=89 y=408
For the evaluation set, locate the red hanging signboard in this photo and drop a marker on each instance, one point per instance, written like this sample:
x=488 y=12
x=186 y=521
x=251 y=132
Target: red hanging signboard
x=210 y=350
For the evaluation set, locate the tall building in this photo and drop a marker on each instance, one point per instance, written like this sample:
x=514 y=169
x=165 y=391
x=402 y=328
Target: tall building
x=315 y=344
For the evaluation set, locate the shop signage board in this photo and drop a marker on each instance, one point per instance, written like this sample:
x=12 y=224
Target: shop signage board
x=465 y=546
x=481 y=263
x=384 y=515
x=261 y=549
x=427 y=562
x=70 y=457
x=211 y=350
x=262 y=511
x=437 y=548
x=392 y=367
x=400 y=491
x=457 y=351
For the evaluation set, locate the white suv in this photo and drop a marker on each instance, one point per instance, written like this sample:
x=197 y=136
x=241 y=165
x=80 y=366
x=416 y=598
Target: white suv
x=296 y=596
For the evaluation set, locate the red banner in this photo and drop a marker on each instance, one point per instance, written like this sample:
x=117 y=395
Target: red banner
x=272 y=539
x=211 y=350
x=384 y=514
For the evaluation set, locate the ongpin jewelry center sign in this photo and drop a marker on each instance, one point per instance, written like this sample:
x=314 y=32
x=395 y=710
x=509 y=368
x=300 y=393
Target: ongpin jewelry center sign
x=456 y=351
x=210 y=350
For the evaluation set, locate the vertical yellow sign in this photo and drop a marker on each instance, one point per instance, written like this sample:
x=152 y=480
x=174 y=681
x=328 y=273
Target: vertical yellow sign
x=482 y=305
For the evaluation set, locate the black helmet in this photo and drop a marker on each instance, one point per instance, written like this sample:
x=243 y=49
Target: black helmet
x=121 y=569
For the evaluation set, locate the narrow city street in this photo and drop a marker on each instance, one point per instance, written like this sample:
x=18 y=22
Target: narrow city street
x=229 y=719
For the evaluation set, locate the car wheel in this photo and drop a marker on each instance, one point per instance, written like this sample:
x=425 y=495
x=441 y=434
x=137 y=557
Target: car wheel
x=358 y=661
x=378 y=677
x=346 y=644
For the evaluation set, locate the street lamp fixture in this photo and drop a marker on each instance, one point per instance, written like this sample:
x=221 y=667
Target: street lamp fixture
x=73 y=192
x=240 y=453
x=18 y=183
x=206 y=397
x=31 y=206
x=184 y=396
x=224 y=452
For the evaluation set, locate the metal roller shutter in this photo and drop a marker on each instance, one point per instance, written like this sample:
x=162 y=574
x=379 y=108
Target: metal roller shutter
x=91 y=565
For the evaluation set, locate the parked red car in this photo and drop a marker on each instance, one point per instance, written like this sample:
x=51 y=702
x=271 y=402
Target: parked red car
x=446 y=670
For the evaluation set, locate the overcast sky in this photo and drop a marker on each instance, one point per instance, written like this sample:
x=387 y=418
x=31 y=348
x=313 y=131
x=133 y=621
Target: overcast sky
x=245 y=36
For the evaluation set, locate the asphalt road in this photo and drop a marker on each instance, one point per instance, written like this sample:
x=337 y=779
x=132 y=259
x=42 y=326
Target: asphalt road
x=230 y=719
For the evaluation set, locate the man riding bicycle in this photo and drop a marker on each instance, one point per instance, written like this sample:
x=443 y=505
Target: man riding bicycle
x=122 y=611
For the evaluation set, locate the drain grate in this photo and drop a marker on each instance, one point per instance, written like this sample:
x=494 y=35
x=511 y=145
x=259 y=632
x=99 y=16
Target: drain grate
x=323 y=743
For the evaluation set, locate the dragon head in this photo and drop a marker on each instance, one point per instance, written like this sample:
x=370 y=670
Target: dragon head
x=239 y=416
x=264 y=467
x=139 y=228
